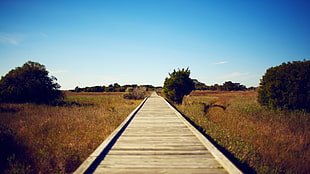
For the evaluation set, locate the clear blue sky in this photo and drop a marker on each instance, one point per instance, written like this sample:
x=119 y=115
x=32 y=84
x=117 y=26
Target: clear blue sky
x=87 y=43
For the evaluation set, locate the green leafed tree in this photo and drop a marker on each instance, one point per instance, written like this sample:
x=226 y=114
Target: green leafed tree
x=29 y=83
x=178 y=85
x=286 y=86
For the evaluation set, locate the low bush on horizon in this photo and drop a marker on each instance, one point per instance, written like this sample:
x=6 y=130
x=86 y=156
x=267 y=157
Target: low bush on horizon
x=57 y=139
x=136 y=93
x=269 y=141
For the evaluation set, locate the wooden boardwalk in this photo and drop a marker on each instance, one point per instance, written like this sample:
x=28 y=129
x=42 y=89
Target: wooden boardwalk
x=155 y=138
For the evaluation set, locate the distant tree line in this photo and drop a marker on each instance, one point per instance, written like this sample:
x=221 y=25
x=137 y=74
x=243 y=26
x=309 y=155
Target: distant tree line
x=227 y=86
x=286 y=86
x=114 y=88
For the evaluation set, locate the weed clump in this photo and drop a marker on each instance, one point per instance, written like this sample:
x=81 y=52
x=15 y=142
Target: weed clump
x=135 y=93
x=13 y=157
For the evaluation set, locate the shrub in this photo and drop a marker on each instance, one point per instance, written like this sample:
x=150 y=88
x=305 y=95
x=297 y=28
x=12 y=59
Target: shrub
x=286 y=86
x=29 y=83
x=178 y=85
x=230 y=86
x=135 y=93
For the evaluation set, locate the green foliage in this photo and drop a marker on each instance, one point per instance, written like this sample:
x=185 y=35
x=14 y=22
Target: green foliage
x=178 y=85
x=29 y=83
x=230 y=86
x=286 y=86
x=227 y=86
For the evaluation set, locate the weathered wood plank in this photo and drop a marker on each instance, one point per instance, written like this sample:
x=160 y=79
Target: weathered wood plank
x=160 y=152
x=159 y=170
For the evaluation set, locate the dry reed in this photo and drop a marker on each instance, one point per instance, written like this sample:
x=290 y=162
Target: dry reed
x=54 y=139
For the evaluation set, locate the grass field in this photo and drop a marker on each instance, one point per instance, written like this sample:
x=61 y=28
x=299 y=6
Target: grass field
x=267 y=141
x=56 y=139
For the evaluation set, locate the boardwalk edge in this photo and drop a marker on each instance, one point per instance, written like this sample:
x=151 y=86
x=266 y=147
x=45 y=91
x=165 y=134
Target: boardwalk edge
x=222 y=159
x=87 y=164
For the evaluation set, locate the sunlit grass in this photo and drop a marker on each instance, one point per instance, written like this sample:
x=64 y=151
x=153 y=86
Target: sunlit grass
x=268 y=141
x=56 y=139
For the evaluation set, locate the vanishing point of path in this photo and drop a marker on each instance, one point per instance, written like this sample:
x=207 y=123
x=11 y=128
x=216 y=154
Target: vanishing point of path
x=155 y=138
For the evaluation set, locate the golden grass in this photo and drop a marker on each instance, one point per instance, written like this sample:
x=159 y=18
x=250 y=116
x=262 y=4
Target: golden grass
x=268 y=141
x=58 y=139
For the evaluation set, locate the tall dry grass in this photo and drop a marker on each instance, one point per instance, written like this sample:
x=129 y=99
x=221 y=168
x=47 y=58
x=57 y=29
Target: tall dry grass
x=54 y=139
x=268 y=141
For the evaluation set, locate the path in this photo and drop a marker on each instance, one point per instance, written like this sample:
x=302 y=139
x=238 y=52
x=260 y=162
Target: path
x=157 y=139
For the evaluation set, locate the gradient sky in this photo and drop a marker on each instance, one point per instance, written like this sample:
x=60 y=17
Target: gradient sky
x=88 y=43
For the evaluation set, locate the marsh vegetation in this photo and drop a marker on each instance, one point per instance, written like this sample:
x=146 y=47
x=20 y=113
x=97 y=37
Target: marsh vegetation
x=268 y=141
x=57 y=139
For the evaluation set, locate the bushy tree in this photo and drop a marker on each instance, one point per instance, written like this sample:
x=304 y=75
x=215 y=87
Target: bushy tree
x=177 y=85
x=286 y=86
x=29 y=83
